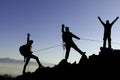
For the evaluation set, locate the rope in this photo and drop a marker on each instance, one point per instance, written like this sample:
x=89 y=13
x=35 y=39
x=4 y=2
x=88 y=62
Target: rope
x=47 y=48
x=75 y=40
x=98 y=41
x=91 y=40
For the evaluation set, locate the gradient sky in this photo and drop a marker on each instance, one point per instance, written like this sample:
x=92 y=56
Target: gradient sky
x=43 y=20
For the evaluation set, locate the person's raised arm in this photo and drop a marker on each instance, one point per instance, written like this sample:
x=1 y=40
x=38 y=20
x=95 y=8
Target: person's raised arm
x=115 y=20
x=101 y=21
x=63 y=26
x=28 y=38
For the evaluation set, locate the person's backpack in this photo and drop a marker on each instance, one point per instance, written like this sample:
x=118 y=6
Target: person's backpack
x=23 y=50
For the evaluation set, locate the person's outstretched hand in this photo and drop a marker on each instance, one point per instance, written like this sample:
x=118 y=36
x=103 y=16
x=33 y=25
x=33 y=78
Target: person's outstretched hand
x=117 y=17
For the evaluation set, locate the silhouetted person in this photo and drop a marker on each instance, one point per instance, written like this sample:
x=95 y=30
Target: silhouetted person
x=107 y=31
x=67 y=40
x=27 y=53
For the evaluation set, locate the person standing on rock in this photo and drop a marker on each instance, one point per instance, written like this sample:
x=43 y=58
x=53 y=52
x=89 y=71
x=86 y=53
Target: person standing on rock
x=67 y=40
x=107 y=31
x=26 y=51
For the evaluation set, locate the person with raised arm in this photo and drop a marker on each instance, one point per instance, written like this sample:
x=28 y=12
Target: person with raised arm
x=26 y=51
x=67 y=40
x=107 y=31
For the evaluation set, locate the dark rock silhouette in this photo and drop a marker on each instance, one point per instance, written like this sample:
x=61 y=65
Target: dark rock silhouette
x=6 y=77
x=83 y=60
x=105 y=64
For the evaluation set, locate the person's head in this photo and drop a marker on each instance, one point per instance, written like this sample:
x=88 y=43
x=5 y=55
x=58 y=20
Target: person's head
x=107 y=21
x=63 y=25
x=30 y=42
x=67 y=29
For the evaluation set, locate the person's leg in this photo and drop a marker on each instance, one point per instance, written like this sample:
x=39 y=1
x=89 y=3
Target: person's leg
x=26 y=63
x=109 y=42
x=77 y=49
x=35 y=57
x=67 y=52
x=104 y=42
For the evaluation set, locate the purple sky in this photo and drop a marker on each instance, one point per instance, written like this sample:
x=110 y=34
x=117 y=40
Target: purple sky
x=43 y=20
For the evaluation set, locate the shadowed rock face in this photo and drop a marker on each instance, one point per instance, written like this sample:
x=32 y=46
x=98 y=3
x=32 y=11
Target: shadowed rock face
x=106 y=64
